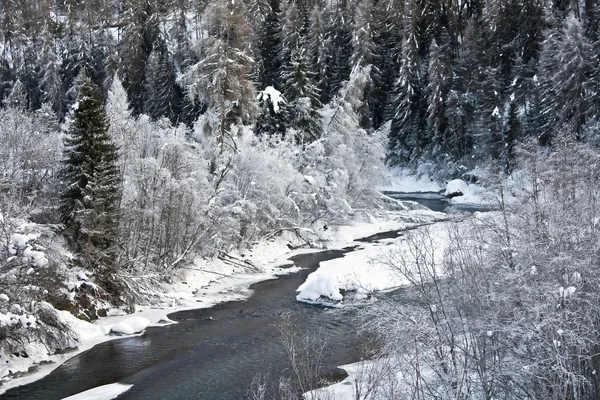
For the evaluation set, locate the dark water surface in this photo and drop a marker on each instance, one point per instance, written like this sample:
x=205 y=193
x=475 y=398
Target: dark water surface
x=215 y=353
x=438 y=202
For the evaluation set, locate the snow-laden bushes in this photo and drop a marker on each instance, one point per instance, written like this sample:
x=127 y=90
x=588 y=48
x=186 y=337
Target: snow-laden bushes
x=513 y=309
x=32 y=275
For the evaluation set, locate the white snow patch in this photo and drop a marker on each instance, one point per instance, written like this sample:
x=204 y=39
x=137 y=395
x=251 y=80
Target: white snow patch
x=273 y=95
x=326 y=286
x=364 y=271
x=131 y=325
x=403 y=181
x=456 y=187
x=105 y=392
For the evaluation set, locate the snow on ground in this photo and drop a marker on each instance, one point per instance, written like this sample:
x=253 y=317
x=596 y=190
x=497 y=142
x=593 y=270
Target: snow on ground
x=105 y=392
x=131 y=325
x=367 y=270
x=403 y=181
x=471 y=193
x=361 y=377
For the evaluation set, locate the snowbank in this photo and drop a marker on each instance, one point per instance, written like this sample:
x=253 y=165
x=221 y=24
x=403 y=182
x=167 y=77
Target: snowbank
x=131 y=325
x=403 y=181
x=367 y=270
x=105 y=392
x=456 y=187
x=325 y=286
x=462 y=192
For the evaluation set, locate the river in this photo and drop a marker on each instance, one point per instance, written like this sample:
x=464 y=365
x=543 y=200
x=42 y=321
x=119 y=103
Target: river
x=213 y=353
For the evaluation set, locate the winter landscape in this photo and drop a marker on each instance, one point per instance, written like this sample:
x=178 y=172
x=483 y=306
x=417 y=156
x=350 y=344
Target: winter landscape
x=299 y=199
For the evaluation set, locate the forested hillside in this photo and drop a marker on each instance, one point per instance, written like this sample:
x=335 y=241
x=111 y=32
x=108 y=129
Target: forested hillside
x=457 y=79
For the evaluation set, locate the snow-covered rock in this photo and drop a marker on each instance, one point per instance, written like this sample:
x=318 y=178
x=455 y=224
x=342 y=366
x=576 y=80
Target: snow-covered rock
x=131 y=325
x=326 y=286
x=456 y=187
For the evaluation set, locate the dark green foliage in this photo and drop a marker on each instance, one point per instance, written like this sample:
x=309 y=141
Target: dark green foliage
x=303 y=98
x=408 y=134
x=6 y=80
x=139 y=35
x=163 y=95
x=92 y=189
x=269 y=38
x=272 y=121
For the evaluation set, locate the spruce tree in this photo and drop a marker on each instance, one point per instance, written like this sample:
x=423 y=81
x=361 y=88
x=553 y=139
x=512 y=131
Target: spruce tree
x=274 y=116
x=303 y=97
x=407 y=135
x=162 y=94
x=268 y=37
x=573 y=69
x=91 y=178
x=436 y=91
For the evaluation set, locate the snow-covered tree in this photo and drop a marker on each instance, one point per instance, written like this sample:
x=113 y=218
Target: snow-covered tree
x=91 y=180
x=274 y=116
x=303 y=98
x=221 y=79
x=438 y=84
x=407 y=138
x=162 y=94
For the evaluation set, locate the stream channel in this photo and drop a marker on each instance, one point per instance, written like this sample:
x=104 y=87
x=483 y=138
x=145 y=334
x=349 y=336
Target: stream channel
x=215 y=353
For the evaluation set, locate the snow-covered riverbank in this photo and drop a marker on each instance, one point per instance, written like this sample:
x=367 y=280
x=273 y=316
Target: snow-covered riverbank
x=207 y=283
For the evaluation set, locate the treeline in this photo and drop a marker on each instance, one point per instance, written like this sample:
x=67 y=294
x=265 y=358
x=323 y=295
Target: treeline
x=459 y=80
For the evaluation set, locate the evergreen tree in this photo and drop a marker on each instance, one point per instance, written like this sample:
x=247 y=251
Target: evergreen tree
x=408 y=140
x=573 y=69
x=319 y=50
x=162 y=94
x=439 y=82
x=91 y=178
x=274 y=116
x=221 y=79
x=340 y=38
x=139 y=35
x=6 y=79
x=269 y=38
x=387 y=38
x=303 y=98
x=567 y=66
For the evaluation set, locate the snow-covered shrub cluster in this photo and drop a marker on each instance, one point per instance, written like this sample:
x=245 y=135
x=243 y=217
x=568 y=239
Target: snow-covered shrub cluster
x=32 y=275
x=513 y=309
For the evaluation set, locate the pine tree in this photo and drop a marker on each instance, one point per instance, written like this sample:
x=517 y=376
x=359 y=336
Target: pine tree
x=407 y=135
x=162 y=94
x=91 y=178
x=388 y=40
x=267 y=26
x=139 y=35
x=340 y=37
x=574 y=68
x=274 y=116
x=319 y=50
x=439 y=81
x=566 y=65
x=221 y=79
x=303 y=98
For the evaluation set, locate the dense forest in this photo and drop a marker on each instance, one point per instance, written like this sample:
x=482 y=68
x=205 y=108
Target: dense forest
x=458 y=80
